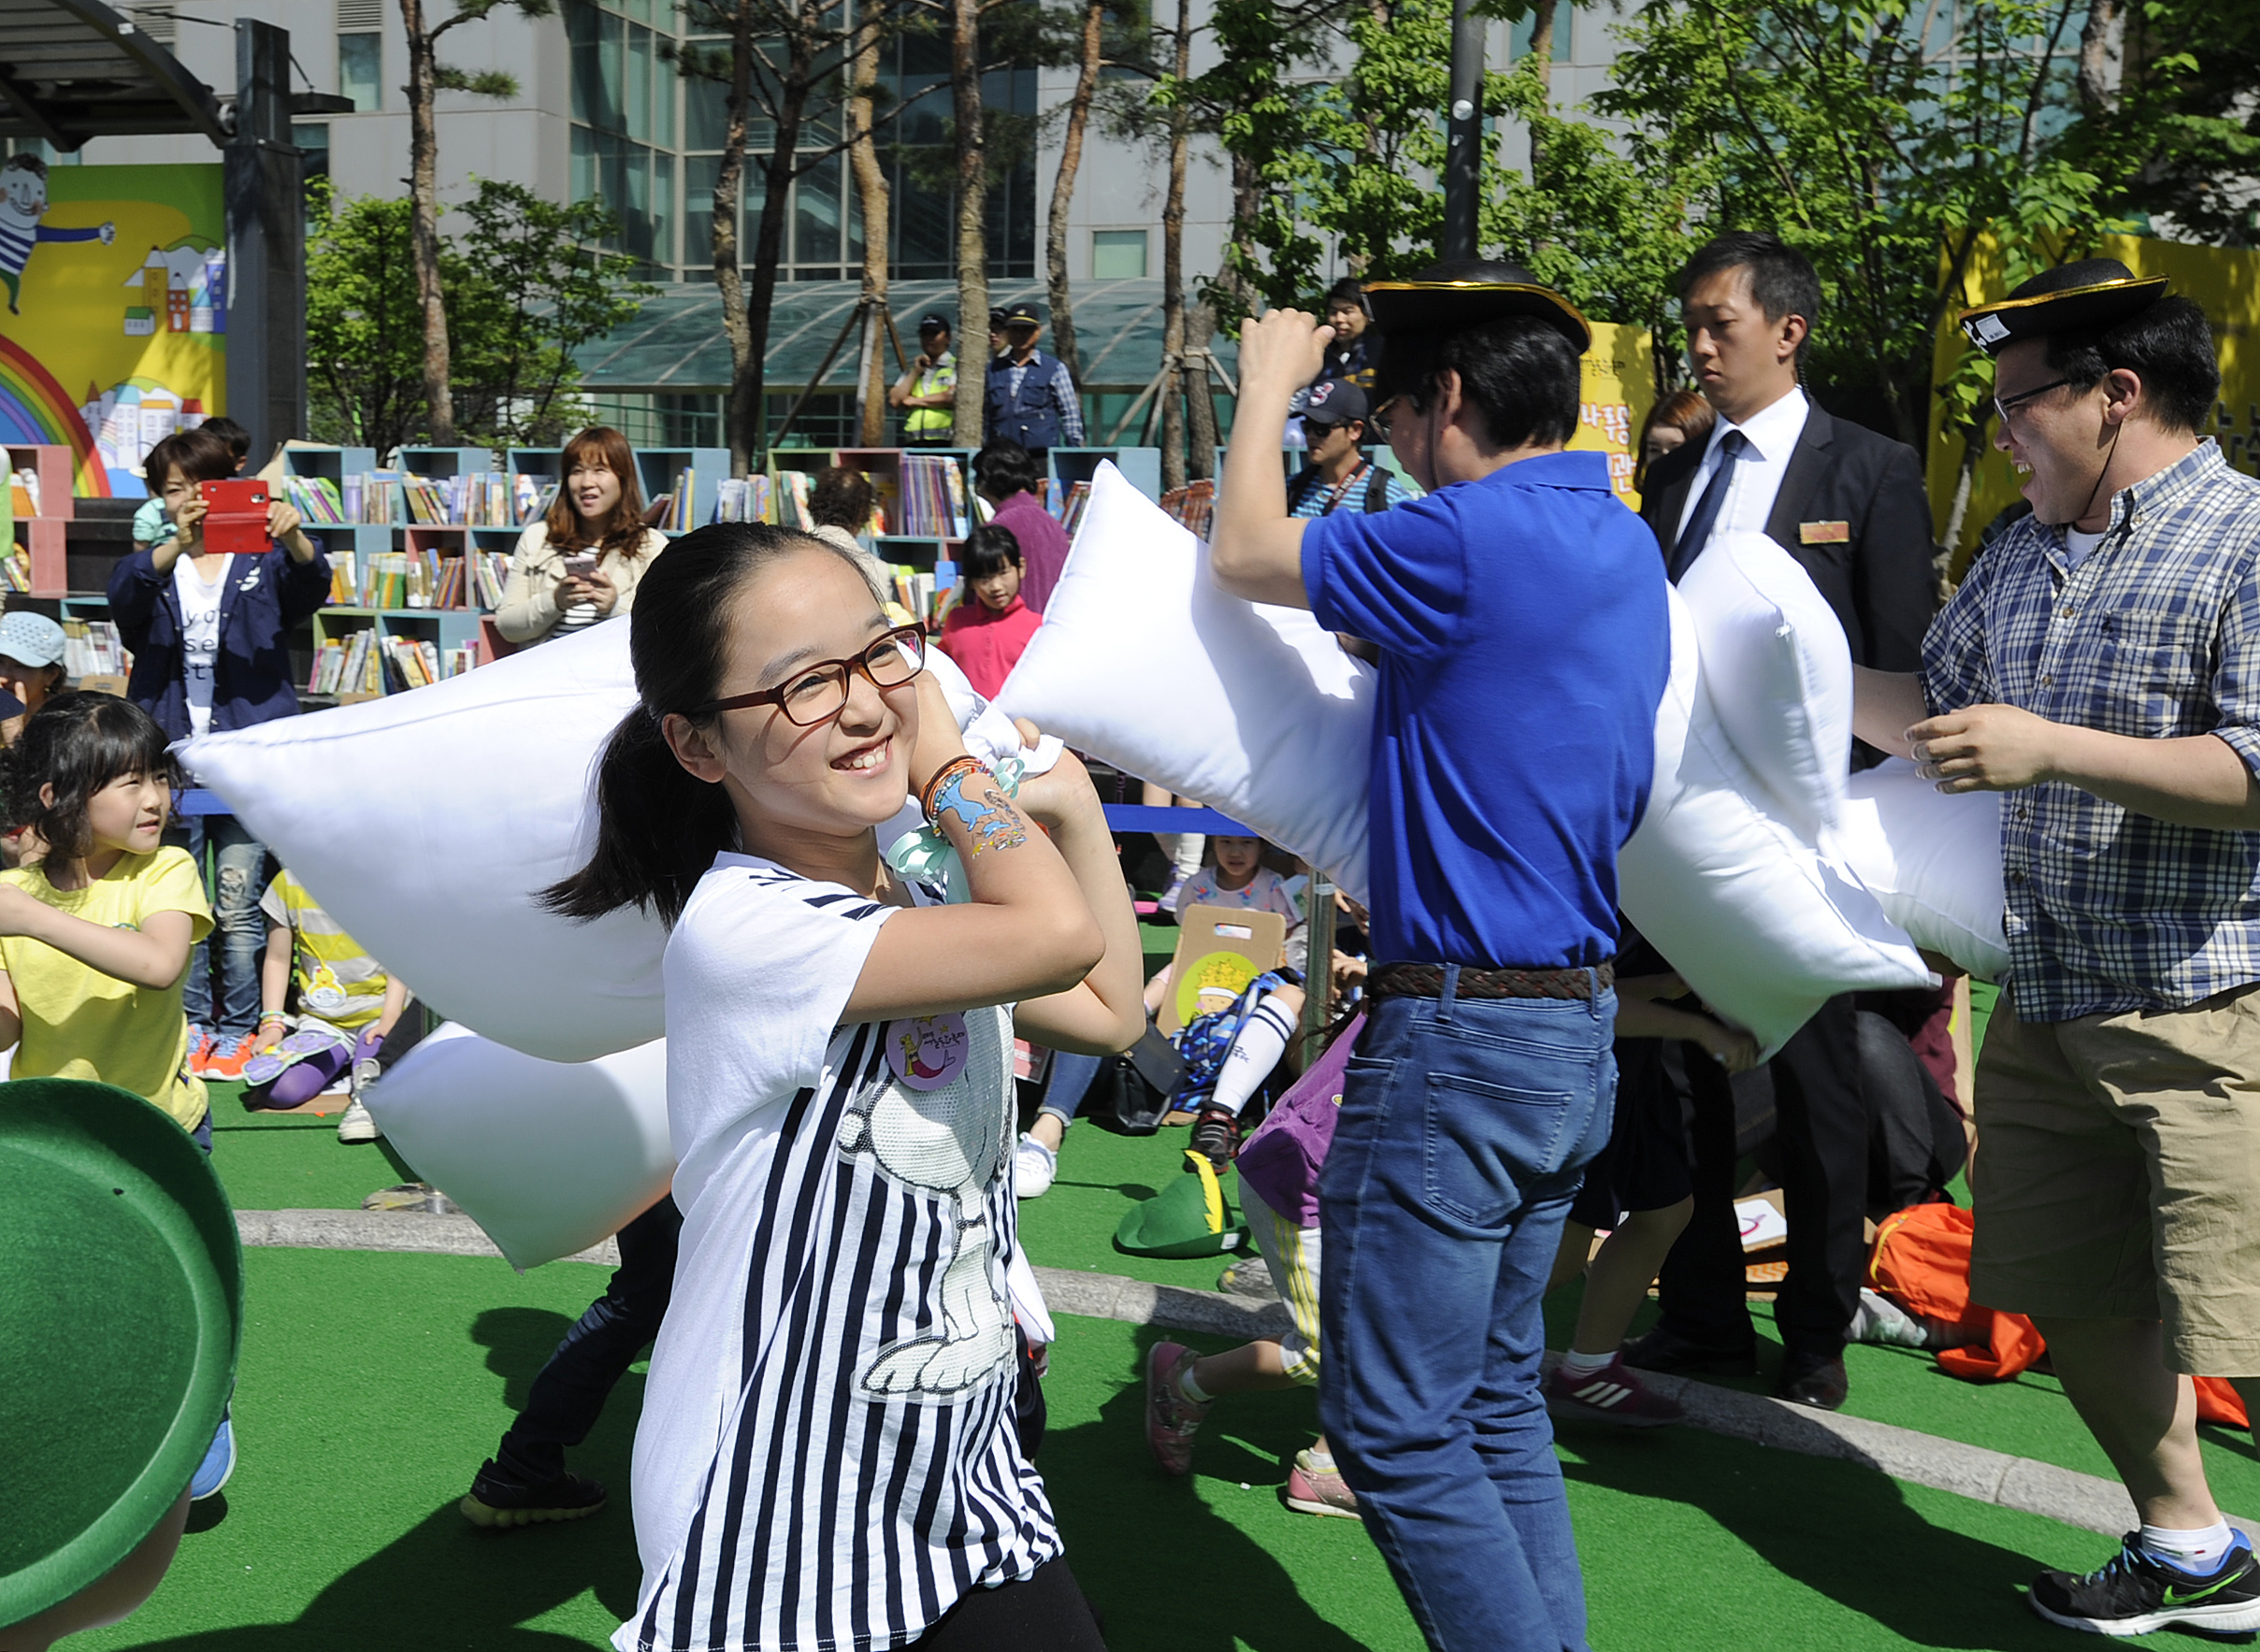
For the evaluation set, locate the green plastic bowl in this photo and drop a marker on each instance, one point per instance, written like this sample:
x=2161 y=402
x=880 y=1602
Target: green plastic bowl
x=120 y=1311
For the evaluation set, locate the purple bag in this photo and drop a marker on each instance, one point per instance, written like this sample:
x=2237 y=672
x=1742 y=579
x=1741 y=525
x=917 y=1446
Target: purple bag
x=1281 y=1162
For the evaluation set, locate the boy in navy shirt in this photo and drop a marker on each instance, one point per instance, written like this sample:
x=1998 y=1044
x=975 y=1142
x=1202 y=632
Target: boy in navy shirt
x=1520 y=613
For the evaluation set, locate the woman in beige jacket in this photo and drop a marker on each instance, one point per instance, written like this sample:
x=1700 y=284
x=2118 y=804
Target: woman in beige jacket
x=597 y=519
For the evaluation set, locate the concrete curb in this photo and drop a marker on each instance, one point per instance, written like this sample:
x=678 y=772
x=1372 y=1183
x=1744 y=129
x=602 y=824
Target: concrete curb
x=2085 y=1500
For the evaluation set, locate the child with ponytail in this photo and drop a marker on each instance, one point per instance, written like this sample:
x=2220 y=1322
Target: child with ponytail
x=828 y=1454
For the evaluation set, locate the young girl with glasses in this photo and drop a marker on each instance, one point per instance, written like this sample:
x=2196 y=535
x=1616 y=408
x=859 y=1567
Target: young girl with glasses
x=828 y=1454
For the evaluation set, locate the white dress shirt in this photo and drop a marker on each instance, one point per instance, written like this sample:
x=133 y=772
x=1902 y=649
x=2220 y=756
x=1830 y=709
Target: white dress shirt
x=1772 y=434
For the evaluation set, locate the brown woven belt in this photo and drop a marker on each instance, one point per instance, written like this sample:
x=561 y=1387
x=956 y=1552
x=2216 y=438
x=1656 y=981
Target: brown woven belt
x=1426 y=981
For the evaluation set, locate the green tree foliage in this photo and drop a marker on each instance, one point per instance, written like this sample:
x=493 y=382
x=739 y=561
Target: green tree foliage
x=522 y=289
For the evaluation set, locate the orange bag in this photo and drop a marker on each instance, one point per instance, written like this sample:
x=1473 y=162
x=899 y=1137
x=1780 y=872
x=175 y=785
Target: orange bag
x=1920 y=1261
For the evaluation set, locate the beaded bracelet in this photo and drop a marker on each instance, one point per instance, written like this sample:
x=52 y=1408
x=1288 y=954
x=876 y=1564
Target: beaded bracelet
x=965 y=764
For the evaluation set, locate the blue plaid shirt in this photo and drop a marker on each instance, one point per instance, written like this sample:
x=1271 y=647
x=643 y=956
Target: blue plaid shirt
x=2156 y=634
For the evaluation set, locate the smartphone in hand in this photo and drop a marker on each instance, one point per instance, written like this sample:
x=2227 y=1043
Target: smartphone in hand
x=234 y=517
x=579 y=567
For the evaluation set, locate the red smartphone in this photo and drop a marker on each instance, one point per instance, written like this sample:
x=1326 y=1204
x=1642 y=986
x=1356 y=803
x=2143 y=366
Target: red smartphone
x=234 y=517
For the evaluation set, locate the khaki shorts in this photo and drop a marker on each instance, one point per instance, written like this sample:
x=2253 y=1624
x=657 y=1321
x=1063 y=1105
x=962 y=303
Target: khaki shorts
x=2117 y=1174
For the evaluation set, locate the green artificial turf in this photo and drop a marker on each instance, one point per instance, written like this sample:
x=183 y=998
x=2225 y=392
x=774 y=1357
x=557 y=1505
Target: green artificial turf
x=372 y=1385
x=1100 y=1177
x=293 y=1162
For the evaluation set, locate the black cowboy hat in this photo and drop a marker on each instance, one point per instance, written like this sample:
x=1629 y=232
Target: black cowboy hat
x=2082 y=297
x=1462 y=293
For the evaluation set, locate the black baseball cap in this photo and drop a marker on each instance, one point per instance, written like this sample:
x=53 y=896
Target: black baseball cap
x=933 y=321
x=1335 y=401
x=997 y=318
x=1023 y=315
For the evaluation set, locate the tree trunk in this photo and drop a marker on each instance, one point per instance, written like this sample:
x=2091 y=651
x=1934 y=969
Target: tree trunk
x=1199 y=404
x=1173 y=267
x=777 y=175
x=874 y=203
x=2098 y=45
x=1541 y=54
x=1064 y=187
x=973 y=210
x=1965 y=478
x=742 y=417
x=423 y=199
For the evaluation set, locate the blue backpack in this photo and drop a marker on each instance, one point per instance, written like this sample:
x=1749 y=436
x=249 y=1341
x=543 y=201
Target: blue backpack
x=1207 y=1039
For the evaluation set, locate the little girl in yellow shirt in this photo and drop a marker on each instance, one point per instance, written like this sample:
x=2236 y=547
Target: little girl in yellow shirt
x=95 y=939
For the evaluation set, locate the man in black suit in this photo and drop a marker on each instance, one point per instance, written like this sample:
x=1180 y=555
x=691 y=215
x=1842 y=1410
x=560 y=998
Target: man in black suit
x=1849 y=506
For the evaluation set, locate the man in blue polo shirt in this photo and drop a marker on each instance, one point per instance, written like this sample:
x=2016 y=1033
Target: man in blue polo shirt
x=1520 y=613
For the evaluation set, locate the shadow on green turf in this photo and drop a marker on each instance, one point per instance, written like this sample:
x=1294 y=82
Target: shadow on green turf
x=1143 y=1545
x=442 y=1583
x=1840 y=1529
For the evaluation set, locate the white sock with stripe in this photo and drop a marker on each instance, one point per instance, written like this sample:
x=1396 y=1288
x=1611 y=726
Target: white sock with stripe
x=1262 y=1041
x=1576 y=1366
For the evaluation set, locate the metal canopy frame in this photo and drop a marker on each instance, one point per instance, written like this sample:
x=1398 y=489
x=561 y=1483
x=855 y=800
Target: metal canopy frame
x=71 y=70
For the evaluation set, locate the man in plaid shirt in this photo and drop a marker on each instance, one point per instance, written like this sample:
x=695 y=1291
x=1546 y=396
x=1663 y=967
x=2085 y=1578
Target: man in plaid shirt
x=2101 y=664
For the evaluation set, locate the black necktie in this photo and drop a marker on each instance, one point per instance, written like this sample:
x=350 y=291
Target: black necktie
x=1731 y=448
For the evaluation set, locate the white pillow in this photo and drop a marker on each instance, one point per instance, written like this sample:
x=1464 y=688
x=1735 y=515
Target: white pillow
x=1778 y=672
x=1933 y=861
x=1252 y=710
x=548 y=1156
x=1760 y=924
x=426 y=823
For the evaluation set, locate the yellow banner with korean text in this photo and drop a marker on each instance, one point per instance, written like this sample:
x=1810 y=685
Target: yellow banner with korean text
x=1619 y=387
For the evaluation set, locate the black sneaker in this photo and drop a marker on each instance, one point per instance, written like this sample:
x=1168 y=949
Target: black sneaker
x=1216 y=1137
x=2137 y=1593
x=497 y=1500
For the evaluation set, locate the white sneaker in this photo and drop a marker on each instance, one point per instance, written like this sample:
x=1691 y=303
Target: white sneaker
x=1034 y=1165
x=357 y=1126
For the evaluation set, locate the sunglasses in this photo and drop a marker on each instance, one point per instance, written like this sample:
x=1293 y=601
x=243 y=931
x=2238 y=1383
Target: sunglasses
x=815 y=693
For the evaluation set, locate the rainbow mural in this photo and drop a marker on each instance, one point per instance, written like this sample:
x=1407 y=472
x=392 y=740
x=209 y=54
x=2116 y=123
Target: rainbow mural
x=34 y=410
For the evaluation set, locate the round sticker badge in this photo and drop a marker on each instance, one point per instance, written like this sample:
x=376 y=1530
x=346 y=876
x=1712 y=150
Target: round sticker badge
x=928 y=1052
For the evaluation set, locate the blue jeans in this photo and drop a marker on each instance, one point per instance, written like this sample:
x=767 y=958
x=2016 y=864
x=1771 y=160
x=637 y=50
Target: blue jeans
x=1069 y=1083
x=570 y=1391
x=1465 y=1128
x=233 y=880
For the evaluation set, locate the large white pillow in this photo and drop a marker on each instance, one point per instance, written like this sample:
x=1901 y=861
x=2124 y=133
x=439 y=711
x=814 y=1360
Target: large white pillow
x=1251 y=710
x=426 y=823
x=1778 y=672
x=548 y=1156
x=1761 y=924
x=1933 y=861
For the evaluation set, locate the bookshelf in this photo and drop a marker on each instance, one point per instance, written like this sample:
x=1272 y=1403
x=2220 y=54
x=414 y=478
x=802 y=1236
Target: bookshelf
x=1140 y=466
x=37 y=563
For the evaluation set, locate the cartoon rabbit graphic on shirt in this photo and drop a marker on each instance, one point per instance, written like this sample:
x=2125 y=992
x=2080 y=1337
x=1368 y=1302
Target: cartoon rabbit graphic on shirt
x=22 y=204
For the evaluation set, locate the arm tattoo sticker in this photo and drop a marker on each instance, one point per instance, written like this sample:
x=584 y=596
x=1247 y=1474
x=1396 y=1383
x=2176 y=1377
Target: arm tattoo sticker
x=990 y=819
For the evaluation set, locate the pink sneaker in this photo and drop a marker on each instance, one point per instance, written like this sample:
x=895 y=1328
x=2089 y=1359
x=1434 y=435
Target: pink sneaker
x=1312 y=1490
x=1613 y=1394
x=1172 y=1420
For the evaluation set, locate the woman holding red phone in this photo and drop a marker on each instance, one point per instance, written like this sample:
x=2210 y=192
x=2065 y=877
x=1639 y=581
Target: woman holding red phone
x=580 y=562
x=209 y=633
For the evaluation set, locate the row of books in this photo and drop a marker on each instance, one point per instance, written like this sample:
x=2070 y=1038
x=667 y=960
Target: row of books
x=1070 y=515
x=932 y=501
x=473 y=581
x=480 y=498
x=680 y=504
x=1192 y=505
x=384 y=578
x=365 y=663
x=92 y=648
x=16 y=568
x=742 y=499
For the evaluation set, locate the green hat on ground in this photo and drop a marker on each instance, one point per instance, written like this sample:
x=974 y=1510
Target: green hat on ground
x=119 y=1328
x=1183 y=1219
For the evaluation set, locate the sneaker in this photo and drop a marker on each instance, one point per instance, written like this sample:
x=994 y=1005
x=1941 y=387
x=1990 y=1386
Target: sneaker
x=366 y=1073
x=409 y=1195
x=1172 y=1420
x=357 y=1125
x=2137 y=1593
x=199 y=1049
x=227 y=1058
x=1034 y=1169
x=1314 y=1489
x=1882 y=1320
x=1216 y=1137
x=497 y=1502
x=1613 y=1394
x=219 y=1461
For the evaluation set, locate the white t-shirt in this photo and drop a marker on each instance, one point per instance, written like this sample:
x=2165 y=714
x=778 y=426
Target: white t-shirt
x=199 y=636
x=826 y=1457
x=1267 y=891
x=2079 y=547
